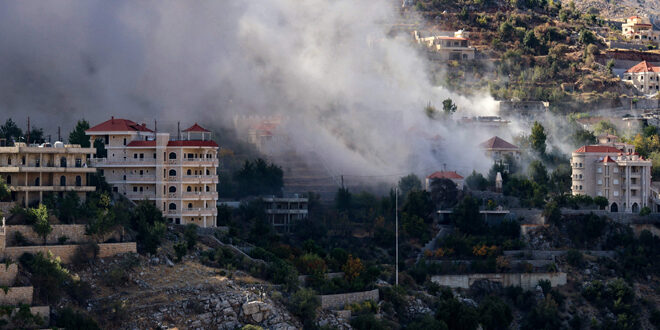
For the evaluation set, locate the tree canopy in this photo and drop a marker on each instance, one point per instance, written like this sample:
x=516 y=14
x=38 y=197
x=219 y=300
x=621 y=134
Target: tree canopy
x=77 y=136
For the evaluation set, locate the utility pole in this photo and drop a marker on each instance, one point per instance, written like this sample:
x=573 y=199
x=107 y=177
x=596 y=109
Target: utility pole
x=28 y=133
x=178 y=130
x=59 y=134
x=396 y=225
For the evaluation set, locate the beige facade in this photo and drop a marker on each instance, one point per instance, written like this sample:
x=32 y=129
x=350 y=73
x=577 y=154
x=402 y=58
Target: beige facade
x=645 y=77
x=638 y=28
x=612 y=170
x=448 y=47
x=31 y=171
x=179 y=176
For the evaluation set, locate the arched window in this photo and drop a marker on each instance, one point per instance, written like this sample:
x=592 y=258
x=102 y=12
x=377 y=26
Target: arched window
x=62 y=180
x=189 y=172
x=190 y=205
x=188 y=189
x=63 y=162
x=208 y=188
x=172 y=206
x=172 y=189
x=78 y=181
x=172 y=155
x=36 y=182
x=172 y=173
x=208 y=172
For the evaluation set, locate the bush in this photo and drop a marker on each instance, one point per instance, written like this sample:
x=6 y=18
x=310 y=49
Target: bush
x=304 y=303
x=495 y=314
x=116 y=277
x=67 y=318
x=48 y=275
x=80 y=292
x=180 y=248
x=20 y=240
x=574 y=258
x=645 y=211
x=190 y=234
x=85 y=254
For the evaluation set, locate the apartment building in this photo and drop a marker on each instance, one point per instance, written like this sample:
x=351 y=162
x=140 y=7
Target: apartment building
x=32 y=170
x=613 y=170
x=448 y=46
x=644 y=76
x=282 y=212
x=638 y=28
x=177 y=174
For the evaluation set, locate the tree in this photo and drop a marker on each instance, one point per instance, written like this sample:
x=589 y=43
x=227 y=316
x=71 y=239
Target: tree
x=561 y=179
x=409 y=183
x=610 y=66
x=5 y=193
x=495 y=314
x=419 y=203
x=343 y=199
x=582 y=137
x=605 y=127
x=457 y=315
x=101 y=152
x=77 y=136
x=601 y=202
x=353 y=268
x=466 y=216
x=476 y=181
x=552 y=213
x=10 y=131
x=586 y=37
x=180 y=249
x=538 y=138
x=147 y=220
x=531 y=42
x=39 y=218
x=538 y=172
x=444 y=192
x=449 y=107
x=305 y=304
x=190 y=234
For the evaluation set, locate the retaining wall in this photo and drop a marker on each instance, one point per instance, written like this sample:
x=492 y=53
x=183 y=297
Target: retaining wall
x=17 y=295
x=43 y=311
x=638 y=229
x=74 y=233
x=527 y=281
x=66 y=252
x=8 y=274
x=340 y=300
x=551 y=255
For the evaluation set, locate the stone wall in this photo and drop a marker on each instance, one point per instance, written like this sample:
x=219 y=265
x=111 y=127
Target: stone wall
x=43 y=311
x=340 y=300
x=527 y=281
x=66 y=252
x=5 y=207
x=639 y=228
x=8 y=274
x=74 y=233
x=17 y=295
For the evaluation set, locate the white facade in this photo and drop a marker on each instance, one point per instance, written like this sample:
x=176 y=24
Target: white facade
x=637 y=28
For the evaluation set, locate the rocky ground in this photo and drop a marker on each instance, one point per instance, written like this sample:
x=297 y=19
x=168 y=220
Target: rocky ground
x=619 y=8
x=185 y=295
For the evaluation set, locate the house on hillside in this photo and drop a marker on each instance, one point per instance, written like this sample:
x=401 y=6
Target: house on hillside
x=644 y=76
x=613 y=170
x=500 y=151
x=451 y=175
x=447 y=46
x=638 y=28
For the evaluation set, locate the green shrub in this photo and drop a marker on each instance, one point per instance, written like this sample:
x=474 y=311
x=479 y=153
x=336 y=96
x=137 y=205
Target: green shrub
x=495 y=314
x=62 y=240
x=190 y=234
x=67 y=318
x=305 y=304
x=20 y=240
x=180 y=248
x=116 y=277
x=85 y=254
x=574 y=258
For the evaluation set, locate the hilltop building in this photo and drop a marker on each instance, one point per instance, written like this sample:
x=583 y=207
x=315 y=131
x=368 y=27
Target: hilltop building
x=644 y=76
x=500 y=151
x=448 y=47
x=32 y=170
x=613 y=170
x=638 y=28
x=451 y=175
x=178 y=175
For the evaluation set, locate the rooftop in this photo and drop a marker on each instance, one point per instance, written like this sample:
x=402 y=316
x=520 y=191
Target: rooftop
x=119 y=125
x=196 y=128
x=497 y=143
x=597 y=149
x=642 y=67
x=445 y=175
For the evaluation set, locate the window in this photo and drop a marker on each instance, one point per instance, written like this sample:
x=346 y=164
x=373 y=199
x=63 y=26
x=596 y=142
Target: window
x=207 y=188
x=172 y=155
x=124 y=141
x=188 y=189
x=172 y=173
x=600 y=181
x=580 y=164
x=189 y=172
x=580 y=176
x=141 y=172
x=135 y=156
x=580 y=187
x=141 y=189
x=8 y=181
x=599 y=170
x=600 y=193
x=616 y=193
x=190 y=205
x=134 y=189
x=172 y=189
x=172 y=206
x=616 y=181
x=616 y=170
x=78 y=181
x=62 y=180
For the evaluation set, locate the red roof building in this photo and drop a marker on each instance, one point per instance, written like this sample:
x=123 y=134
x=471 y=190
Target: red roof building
x=451 y=175
x=643 y=67
x=597 y=149
x=497 y=143
x=119 y=125
x=196 y=128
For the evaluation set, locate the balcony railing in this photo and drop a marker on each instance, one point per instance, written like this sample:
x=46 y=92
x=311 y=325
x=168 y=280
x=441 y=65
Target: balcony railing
x=140 y=178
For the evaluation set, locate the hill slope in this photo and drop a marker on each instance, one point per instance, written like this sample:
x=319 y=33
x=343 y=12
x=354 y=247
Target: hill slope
x=620 y=8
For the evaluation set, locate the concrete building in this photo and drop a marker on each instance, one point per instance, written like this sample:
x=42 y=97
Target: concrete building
x=178 y=175
x=485 y=122
x=500 y=151
x=451 y=175
x=613 y=170
x=30 y=171
x=282 y=212
x=638 y=28
x=448 y=47
x=523 y=108
x=644 y=76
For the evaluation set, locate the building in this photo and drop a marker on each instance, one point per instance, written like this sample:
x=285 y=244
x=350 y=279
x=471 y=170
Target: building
x=447 y=47
x=178 y=175
x=32 y=170
x=486 y=122
x=500 y=151
x=644 y=76
x=613 y=170
x=523 y=108
x=282 y=212
x=451 y=175
x=638 y=28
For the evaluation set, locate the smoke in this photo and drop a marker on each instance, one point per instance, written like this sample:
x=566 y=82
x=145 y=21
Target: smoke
x=349 y=89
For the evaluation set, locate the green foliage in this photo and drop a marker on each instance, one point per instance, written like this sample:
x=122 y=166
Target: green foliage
x=574 y=258
x=538 y=172
x=180 y=249
x=605 y=127
x=10 y=131
x=531 y=42
x=305 y=304
x=409 y=183
x=67 y=318
x=258 y=178
x=456 y=315
x=645 y=211
x=495 y=314
x=24 y=319
x=466 y=216
x=77 y=136
x=601 y=202
x=190 y=234
x=449 y=107
x=39 y=219
x=5 y=193
x=343 y=199
x=552 y=213
x=49 y=277
x=587 y=37
x=538 y=138
x=147 y=220
x=476 y=181
x=444 y=193
x=419 y=203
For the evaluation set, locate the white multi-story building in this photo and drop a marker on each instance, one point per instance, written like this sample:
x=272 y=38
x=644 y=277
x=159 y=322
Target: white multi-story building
x=179 y=176
x=644 y=76
x=613 y=170
x=448 y=47
x=32 y=170
x=638 y=28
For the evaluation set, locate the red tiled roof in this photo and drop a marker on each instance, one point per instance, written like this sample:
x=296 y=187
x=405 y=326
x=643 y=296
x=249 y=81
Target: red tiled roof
x=192 y=143
x=599 y=149
x=196 y=128
x=643 y=66
x=451 y=38
x=445 y=175
x=608 y=159
x=497 y=143
x=633 y=17
x=139 y=143
x=119 y=125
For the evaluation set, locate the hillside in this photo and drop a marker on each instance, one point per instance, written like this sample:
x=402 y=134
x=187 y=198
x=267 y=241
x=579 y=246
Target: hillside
x=619 y=8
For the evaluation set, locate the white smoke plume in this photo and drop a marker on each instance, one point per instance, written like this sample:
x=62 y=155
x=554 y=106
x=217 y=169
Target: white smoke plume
x=350 y=90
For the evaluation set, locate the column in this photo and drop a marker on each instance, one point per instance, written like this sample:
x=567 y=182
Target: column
x=627 y=188
x=204 y=221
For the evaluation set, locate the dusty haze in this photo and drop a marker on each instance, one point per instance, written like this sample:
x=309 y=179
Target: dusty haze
x=351 y=92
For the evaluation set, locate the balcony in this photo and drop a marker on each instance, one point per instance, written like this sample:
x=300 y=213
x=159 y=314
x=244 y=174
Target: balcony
x=141 y=178
x=128 y=162
x=202 y=211
x=52 y=188
x=45 y=169
x=200 y=195
x=139 y=197
x=200 y=179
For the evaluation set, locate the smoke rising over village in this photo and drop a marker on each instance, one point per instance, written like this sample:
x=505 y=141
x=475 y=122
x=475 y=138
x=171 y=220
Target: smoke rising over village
x=348 y=90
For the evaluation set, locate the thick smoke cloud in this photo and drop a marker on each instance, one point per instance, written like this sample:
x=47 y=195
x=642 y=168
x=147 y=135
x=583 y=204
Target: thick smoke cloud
x=349 y=90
